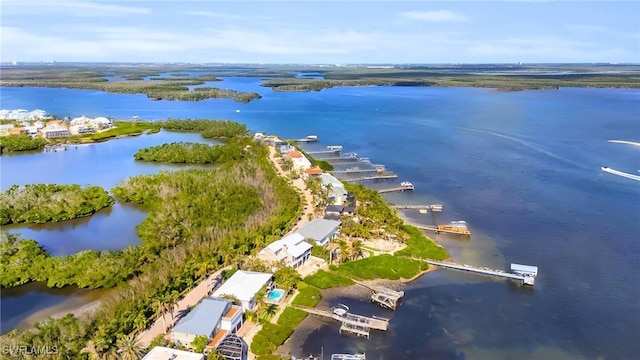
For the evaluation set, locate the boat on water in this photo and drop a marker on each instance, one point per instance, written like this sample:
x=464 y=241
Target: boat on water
x=459 y=227
x=312 y=137
x=407 y=185
x=340 y=310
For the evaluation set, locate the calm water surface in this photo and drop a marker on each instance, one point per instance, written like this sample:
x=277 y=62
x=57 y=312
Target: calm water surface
x=522 y=168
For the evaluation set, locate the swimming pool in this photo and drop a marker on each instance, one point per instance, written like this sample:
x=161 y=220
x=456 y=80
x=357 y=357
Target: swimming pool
x=275 y=295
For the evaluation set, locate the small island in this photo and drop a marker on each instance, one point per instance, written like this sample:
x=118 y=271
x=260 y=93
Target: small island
x=42 y=203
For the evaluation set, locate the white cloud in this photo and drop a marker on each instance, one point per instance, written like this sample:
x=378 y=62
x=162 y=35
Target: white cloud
x=69 y=7
x=216 y=15
x=434 y=16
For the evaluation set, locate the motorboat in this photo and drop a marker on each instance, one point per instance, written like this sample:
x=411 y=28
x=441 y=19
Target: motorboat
x=340 y=310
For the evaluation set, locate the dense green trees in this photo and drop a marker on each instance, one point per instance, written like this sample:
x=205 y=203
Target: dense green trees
x=190 y=153
x=208 y=128
x=21 y=142
x=42 y=203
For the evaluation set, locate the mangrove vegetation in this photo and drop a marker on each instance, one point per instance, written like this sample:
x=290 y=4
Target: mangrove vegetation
x=42 y=203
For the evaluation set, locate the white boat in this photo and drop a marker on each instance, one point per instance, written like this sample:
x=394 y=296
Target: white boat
x=406 y=185
x=312 y=137
x=340 y=310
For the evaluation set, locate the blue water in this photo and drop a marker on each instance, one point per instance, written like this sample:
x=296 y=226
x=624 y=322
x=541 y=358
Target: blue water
x=522 y=168
x=275 y=295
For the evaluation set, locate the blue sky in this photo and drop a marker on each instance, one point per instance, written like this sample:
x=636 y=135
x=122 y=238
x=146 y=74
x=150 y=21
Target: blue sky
x=314 y=32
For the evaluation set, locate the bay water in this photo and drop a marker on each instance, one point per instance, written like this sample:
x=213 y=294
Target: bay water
x=522 y=168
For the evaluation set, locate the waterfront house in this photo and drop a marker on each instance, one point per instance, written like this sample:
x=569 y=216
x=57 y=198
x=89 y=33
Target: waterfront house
x=313 y=171
x=244 y=285
x=55 y=130
x=101 y=123
x=292 y=249
x=320 y=230
x=300 y=162
x=165 y=353
x=212 y=317
x=79 y=120
x=337 y=194
x=5 y=129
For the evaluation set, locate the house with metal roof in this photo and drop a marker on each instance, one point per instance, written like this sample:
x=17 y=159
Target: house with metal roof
x=244 y=285
x=212 y=317
x=292 y=249
x=320 y=230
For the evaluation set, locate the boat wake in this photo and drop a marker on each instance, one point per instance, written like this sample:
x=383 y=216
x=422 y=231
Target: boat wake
x=625 y=142
x=620 y=173
x=525 y=143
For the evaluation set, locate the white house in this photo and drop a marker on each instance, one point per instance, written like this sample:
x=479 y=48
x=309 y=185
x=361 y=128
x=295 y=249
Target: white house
x=79 y=120
x=337 y=193
x=291 y=249
x=243 y=285
x=212 y=317
x=165 y=353
x=320 y=230
x=300 y=162
x=55 y=130
x=101 y=122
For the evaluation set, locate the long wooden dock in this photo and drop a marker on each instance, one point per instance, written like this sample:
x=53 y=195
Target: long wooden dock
x=527 y=278
x=357 y=324
x=434 y=207
x=436 y=229
x=373 y=177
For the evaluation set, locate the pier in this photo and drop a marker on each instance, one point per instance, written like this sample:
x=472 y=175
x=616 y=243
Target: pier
x=352 y=323
x=383 y=188
x=308 y=139
x=523 y=273
x=356 y=170
x=439 y=230
x=331 y=149
x=382 y=295
x=373 y=177
x=434 y=207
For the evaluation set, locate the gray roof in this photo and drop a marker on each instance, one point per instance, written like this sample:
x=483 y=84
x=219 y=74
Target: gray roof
x=202 y=320
x=318 y=229
x=334 y=208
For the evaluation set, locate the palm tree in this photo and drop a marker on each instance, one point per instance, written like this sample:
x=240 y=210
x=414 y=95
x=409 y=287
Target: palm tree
x=357 y=250
x=270 y=310
x=129 y=347
x=160 y=306
x=172 y=301
x=91 y=350
x=344 y=250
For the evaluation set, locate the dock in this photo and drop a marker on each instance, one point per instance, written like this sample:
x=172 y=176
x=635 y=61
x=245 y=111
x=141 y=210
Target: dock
x=383 y=188
x=380 y=176
x=352 y=323
x=438 y=230
x=382 y=295
x=524 y=273
x=331 y=149
x=433 y=207
x=308 y=139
